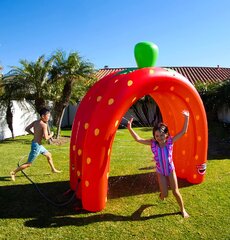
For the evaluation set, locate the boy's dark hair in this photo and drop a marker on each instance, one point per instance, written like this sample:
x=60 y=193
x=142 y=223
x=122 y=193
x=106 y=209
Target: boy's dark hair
x=44 y=111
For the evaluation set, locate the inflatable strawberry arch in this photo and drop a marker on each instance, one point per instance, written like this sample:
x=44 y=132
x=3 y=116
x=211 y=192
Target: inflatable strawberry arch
x=102 y=109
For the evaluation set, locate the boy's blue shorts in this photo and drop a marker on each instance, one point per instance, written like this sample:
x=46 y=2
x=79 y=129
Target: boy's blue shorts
x=36 y=149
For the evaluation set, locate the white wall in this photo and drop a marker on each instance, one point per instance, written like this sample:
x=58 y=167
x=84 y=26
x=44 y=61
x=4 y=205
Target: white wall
x=69 y=115
x=23 y=115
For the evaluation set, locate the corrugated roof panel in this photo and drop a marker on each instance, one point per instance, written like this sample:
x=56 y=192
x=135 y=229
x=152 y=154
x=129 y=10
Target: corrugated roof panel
x=193 y=74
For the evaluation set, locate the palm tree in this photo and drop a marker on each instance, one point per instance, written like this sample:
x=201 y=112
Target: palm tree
x=31 y=81
x=70 y=71
x=6 y=104
x=53 y=79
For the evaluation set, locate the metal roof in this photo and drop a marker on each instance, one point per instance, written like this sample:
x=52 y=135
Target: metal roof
x=193 y=74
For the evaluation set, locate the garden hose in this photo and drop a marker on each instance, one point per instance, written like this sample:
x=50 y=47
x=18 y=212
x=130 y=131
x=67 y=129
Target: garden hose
x=62 y=204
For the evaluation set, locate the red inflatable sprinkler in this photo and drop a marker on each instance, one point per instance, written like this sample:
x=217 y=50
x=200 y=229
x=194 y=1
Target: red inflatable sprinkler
x=102 y=109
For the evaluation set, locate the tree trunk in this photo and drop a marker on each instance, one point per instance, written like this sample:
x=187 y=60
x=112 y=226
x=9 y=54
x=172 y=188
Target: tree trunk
x=59 y=123
x=48 y=129
x=9 y=117
x=60 y=107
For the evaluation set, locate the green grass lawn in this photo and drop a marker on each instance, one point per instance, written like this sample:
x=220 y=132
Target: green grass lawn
x=133 y=210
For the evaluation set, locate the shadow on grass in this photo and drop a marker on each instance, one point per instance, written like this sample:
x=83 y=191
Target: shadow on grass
x=24 y=201
x=16 y=140
x=5 y=179
x=131 y=185
x=82 y=221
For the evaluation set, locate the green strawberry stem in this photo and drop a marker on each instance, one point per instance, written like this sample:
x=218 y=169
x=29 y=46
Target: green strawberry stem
x=146 y=54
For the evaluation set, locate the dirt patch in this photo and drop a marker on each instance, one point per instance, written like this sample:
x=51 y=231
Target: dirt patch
x=60 y=141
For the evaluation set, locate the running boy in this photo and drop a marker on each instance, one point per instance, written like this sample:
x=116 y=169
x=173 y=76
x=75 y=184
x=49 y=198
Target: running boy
x=40 y=130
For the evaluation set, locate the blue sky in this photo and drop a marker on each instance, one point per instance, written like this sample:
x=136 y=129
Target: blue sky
x=188 y=33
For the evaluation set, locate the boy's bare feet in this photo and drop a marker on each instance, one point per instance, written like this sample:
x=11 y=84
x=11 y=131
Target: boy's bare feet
x=56 y=171
x=12 y=174
x=185 y=214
